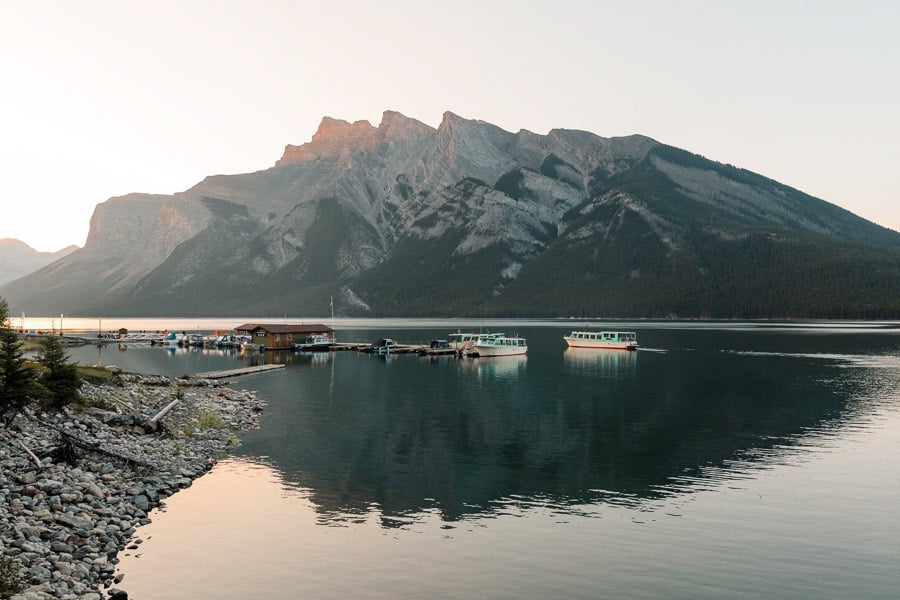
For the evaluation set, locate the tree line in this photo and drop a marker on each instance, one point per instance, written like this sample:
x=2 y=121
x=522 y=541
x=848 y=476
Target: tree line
x=51 y=381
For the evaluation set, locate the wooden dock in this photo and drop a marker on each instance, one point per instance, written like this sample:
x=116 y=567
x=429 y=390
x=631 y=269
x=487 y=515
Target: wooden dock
x=237 y=372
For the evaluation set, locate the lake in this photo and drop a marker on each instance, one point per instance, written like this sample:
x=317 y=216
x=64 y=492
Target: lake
x=721 y=460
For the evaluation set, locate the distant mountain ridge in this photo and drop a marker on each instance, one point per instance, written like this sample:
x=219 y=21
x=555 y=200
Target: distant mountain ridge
x=18 y=259
x=404 y=219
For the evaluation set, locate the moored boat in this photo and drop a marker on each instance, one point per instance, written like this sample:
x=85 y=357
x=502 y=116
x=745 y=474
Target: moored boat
x=464 y=343
x=190 y=340
x=226 y=340
x=382 y=346
x=609 y=340
x=500 y=345
x=437 y=348
x=314 y=343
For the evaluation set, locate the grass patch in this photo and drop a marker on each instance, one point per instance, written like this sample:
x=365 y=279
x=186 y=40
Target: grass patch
x=94 y=374
x=209 y=419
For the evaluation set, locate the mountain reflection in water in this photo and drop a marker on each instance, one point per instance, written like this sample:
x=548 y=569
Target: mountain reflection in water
x=558 y=428
x=732 y=460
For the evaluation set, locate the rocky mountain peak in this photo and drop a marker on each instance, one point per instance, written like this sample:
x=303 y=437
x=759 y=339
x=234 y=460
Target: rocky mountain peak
x=451 y=121
x=332 y=130
x=336 y=137
x=333 y=138
x=18 y=259
x=397 y=127
x=449 y=118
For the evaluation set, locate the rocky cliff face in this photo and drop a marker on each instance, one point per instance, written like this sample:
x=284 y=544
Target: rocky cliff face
x=465 y=218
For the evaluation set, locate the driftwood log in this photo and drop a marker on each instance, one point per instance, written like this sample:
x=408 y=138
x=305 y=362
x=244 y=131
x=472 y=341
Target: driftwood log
x=123 y=403
x=37 y=461
x=153 y=424
x=69 y=444
x=97 y=449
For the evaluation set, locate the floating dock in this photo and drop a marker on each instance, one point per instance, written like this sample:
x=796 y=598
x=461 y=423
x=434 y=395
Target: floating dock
x=237 y=372
x=437 y=351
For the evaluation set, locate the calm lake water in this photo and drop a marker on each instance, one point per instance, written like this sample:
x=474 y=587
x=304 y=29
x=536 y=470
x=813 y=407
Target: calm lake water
x=718 y=461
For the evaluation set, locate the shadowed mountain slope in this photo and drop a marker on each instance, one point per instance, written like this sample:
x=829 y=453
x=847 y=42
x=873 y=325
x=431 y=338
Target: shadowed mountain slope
x=468 y=219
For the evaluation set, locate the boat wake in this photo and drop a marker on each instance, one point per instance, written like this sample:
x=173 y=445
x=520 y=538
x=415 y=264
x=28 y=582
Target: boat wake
x=882 y=361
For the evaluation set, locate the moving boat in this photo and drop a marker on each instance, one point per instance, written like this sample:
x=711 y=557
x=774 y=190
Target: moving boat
x=610 y=340
x=500 y=345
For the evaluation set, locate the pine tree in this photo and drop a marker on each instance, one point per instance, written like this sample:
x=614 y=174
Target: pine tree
x=60 y=380
x=18 y=387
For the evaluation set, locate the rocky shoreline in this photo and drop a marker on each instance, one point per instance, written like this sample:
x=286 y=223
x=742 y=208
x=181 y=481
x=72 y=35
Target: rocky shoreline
x=75 y=486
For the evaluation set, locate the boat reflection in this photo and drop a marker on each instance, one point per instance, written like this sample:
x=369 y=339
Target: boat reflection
x=496 y=367
x=313 y=359
x=599 y=362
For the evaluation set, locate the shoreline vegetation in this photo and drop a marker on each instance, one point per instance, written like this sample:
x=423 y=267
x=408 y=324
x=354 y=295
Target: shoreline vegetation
x=77 y=483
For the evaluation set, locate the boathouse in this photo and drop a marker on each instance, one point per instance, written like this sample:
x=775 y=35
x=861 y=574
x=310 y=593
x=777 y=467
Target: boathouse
x=280 y=337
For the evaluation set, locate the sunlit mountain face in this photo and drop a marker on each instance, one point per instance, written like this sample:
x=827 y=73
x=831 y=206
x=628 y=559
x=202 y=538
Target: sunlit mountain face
x=465 y=219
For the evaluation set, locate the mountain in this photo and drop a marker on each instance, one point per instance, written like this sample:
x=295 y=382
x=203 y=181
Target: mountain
x=18 y=259
x=467 y=219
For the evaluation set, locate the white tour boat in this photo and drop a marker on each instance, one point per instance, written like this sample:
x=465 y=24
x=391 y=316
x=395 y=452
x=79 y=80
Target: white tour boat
x=610 y=340
x=500 y=345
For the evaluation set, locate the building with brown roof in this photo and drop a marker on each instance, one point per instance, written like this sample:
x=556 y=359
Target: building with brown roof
x=280 y=337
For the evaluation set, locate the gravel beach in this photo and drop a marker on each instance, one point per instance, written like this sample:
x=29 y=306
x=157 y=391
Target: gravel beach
x=75 y=486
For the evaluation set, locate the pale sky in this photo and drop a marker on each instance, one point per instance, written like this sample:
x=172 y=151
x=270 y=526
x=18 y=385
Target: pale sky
x=104 y=98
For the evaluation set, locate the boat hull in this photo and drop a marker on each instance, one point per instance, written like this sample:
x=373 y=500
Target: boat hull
x=324 y=347
x=600 y=345
x=493 y=351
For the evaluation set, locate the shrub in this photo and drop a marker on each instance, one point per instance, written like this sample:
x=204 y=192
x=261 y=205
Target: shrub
x=11 y=581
